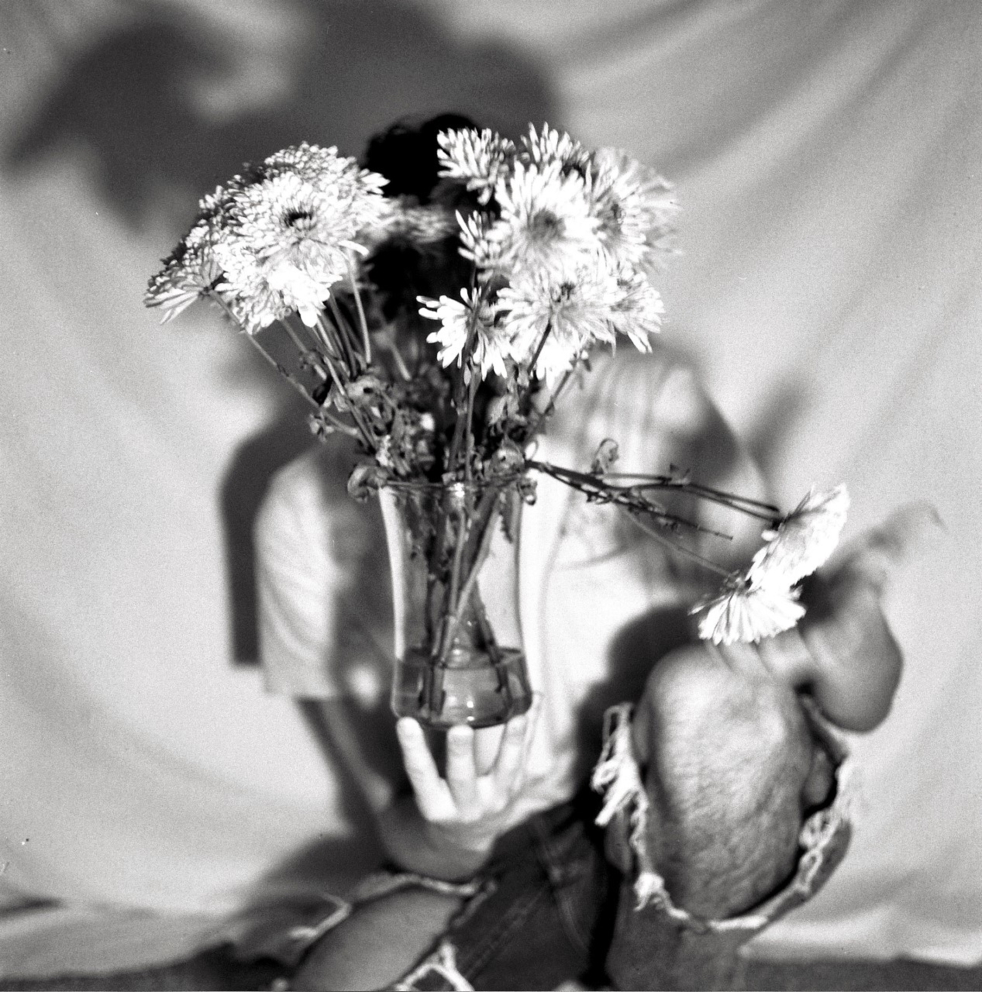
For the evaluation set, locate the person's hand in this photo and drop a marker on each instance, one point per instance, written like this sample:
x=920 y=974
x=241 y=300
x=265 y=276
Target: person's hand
x=843 y=651
x=468 y=809
x=726 y=750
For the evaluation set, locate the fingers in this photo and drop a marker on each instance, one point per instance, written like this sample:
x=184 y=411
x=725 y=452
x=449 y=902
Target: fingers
x=878 y=554
x=467 y=793
x=513 y=759
x=487 y=744
x=461 y=767
x=432 y=794
x=531 y=722
x=855 y=661
x=509 y=765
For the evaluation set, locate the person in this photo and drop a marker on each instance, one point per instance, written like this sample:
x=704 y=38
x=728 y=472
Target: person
x=725 y=806
x=729 y=749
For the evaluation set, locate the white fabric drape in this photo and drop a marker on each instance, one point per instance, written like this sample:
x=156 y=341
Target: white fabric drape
x=826 y=154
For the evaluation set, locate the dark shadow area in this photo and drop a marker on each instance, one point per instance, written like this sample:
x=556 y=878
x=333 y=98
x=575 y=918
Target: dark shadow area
x=778 y=418
x=127 y=105
x=126 y=108
x=635 y=651
x=242 y=491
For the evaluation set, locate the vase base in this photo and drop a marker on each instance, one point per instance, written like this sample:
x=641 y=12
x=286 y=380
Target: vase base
x=474 y=691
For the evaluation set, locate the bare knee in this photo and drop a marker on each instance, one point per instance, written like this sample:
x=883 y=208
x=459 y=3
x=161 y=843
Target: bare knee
x=378 y=943
x=728 y=752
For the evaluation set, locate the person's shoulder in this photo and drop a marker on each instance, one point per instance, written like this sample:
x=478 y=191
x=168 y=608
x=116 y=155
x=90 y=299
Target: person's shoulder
x=318 y=475
x=307 y=492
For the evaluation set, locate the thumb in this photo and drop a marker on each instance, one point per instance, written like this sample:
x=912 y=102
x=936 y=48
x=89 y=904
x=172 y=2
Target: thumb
x=879 y=554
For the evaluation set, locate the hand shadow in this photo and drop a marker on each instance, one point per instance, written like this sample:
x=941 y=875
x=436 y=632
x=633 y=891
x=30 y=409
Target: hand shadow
x=127 y=109
x=129 y=106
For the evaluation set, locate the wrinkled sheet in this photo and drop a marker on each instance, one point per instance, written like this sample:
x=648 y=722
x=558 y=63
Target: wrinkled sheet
x=826 y=155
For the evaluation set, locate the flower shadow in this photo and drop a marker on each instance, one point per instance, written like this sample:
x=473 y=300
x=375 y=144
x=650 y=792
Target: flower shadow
x=128 y=108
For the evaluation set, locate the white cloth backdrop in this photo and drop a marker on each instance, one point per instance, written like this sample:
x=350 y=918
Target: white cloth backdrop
x=827 y=157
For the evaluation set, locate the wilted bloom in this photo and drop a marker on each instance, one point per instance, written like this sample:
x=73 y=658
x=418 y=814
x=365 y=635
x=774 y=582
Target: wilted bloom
x=803 y=540
x=459 y=319
x=746 y=613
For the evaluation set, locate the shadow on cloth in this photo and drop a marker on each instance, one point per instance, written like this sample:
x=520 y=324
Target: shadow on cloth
x=129 y=106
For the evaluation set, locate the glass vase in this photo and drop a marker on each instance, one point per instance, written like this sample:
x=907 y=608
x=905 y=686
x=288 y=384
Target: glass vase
x=453 y=559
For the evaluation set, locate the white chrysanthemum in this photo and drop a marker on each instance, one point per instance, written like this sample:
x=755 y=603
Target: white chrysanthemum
x=748 y=613
x=189 y=272
x=571 y=314
x=191 y=269
x=550 y=147
x=479 y=158
x=329 y=172
x=803 y=540
x=635 y=207
x=284 y=246
x=545 y=223
x=490 y=345
x=475 y=242
x=637 y=312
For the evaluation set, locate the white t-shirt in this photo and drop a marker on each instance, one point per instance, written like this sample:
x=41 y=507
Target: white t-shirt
x=600 y=601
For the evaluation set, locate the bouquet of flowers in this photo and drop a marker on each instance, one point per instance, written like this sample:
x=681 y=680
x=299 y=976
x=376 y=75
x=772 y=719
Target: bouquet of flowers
x=435 y=310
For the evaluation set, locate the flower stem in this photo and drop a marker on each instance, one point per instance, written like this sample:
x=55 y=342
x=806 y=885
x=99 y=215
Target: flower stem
x=366 y=340
x=550 y=407
x=458 y=601
x=262 y=351
x=676 y=546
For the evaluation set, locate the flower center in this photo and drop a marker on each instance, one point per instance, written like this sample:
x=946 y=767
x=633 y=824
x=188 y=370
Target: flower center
x=299 y=218
x=545 y=226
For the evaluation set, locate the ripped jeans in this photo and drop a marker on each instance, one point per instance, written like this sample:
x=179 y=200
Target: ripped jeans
x=550 y=908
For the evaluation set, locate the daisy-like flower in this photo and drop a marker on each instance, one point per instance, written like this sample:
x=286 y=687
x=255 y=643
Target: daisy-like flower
x=479 y=158
x=637 y=312
x=476 y=243
x=747 y=613
x=550 y=147
x=635 y=207
x=545 y=224
x=629 y=202
x=189 y=272
x=421 y=225
x=802 y=541
x=405 y=222
x=490 y=345
x=558 y=319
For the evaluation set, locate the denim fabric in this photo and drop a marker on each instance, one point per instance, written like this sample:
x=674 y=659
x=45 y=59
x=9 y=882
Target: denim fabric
x=659 y=946
x=551 y=908
x=538 y=919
